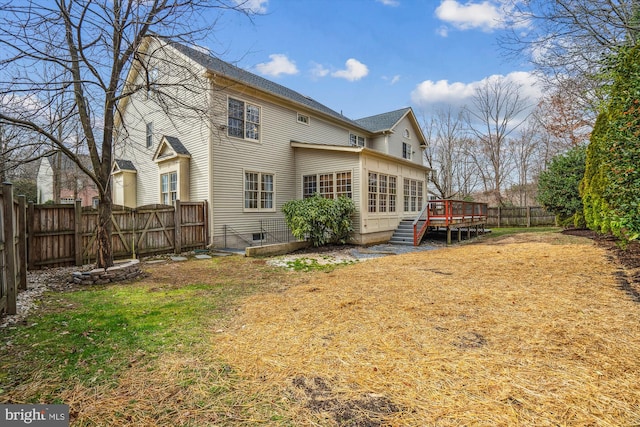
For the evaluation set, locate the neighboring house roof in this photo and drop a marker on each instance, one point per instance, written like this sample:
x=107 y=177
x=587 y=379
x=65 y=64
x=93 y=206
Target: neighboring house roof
x=383 y=122
x=66 y=164
x=125 y=165
x=217 y=66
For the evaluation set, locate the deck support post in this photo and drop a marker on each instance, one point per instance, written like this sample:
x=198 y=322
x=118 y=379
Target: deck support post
x=459 y=234
x=469 y=233
x=448 y=235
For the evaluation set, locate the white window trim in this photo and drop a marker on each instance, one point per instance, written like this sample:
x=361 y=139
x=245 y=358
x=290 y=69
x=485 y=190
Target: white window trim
x=386 y=195
x=334 y=191
x=148 y=135
x=244 y=120
x=169 y=192
x=410 y=151
x=303 y=122
x=244 y=183
x=357 y=137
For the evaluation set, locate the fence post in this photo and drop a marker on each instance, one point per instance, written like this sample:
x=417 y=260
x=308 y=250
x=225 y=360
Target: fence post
x=205 y=218
x=9 y=248
x=499 y=216
x=22 y=241
x=177 y=229
x=31 y=225
x=77 y=235
x=528 y=216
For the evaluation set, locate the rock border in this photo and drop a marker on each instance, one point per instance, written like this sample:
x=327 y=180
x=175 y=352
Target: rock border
x=99 y=276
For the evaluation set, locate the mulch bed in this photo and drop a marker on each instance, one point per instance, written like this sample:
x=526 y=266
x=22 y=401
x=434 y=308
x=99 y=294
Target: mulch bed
x=628 y=256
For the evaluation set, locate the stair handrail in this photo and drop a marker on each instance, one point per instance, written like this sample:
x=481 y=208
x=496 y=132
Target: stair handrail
x=417 y=235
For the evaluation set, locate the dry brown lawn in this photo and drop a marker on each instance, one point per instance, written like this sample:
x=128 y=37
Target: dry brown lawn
x=527 y=330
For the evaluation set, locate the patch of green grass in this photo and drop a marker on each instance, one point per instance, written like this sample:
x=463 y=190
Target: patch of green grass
x=312 y=264
x=90 y=336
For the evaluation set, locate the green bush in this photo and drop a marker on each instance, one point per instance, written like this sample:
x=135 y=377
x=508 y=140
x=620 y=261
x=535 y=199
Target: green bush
x=321 y=221
x=611 y=187
x=558 y=186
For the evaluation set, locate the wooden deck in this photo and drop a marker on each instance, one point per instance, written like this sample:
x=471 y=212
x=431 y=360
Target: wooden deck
x=450 y=214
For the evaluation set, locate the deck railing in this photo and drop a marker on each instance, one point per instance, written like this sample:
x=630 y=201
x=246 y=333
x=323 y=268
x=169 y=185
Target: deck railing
x=445 y=213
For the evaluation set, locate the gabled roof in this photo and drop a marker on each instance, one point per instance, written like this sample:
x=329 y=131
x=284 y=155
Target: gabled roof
x=386 y=122
x=229 y=71
x=170 y=147
x=124 y=165
x=383 y=122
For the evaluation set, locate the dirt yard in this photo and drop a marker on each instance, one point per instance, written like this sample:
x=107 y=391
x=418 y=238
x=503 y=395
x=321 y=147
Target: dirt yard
x=536 y=329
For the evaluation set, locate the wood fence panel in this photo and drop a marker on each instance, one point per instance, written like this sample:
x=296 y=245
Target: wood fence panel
x=519 y=216
x=56 y=231
x=52 y=243
x=4 y=290
x=193 y=225
x=155 y=229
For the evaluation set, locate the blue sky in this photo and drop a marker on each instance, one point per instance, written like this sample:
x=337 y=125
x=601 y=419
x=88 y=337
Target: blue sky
x=365 y=57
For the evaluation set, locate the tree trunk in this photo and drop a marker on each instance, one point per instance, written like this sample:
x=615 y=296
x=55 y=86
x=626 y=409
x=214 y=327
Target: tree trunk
x=104 y=253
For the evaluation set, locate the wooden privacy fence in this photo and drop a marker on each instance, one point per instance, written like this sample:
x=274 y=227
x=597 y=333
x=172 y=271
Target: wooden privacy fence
x=530 y=216
x=13 y=266
x=62 y=235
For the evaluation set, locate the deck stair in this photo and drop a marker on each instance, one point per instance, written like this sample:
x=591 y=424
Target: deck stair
x=403 y=235
x=450 y=214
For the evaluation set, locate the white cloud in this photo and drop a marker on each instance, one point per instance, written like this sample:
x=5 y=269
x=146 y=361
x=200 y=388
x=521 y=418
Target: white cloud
x=318 y=71
x=392 y=3
x=488 y=15
x=278 y=65
x=355 y=70
x=253 y=6
x=485 y=15
x=393 y=79
x=457 y=94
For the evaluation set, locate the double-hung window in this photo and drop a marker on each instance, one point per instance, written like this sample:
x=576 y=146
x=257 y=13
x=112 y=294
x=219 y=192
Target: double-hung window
x=259 y=191
x=169 y=188
x=413 y=195
x=382 y=193
x=149 y=135
x=243 y=120
x=326 y=185
x=406 y=151
x=356 y=140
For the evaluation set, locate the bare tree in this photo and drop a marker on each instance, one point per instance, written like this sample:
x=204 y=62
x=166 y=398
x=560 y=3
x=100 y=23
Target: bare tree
x=446 y=151
x=497 y=110
x=572 y=38
x=563 y=117
x=525 y=148
x=67 y=60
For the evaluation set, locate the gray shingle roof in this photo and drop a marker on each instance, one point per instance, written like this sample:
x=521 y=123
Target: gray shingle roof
x=125 y=165
x=384 y=121
x=230 y=71
x=176 y=145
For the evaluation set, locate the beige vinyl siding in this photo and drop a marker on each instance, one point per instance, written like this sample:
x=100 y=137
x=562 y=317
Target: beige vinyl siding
x=397 y=138
x=188 y=126
x=312 y=161
x=379 y=143
x=272 y=154
x=232 y=157
x=387 y=221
